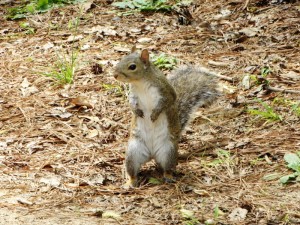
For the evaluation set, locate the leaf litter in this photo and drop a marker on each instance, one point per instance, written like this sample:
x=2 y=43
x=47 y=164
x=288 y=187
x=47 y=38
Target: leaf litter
x=62 y=151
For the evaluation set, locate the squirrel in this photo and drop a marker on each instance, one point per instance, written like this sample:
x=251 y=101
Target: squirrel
x=161 y=109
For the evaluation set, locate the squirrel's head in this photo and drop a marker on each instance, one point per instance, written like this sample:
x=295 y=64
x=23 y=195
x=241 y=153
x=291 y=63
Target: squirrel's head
x=133 y=66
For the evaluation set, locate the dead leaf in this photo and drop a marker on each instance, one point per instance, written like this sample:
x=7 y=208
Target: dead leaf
x=24 y=201
x=238 y=214
x=224 y=13
x=111 y=214
x=3 y=145
x=207 y=138
x=144 y=40
x=73 y=38
x=107 y=123
x=81 y=101
x=27 y=89
x=97 y=68
x=92 y=133
x=93 y=30
x=96 y=179
x=48 y=45
x=202 y=193
x=186 y=213
x=250 y=31
x=291 y=75
x=210 y=222
x=85 y=47
x=250 y=69
x=246 y=82
x=60 y=112
x=86 y=6
x=155 y=202
x=3 y=2
x=121 y=49
x=106 y=31
x=136 y=30
x=34 y=146
x=51 y=180
x=237 y=144
x=93 y=119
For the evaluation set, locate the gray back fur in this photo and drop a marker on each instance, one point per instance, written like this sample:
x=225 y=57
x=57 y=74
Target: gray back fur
x=194 y=89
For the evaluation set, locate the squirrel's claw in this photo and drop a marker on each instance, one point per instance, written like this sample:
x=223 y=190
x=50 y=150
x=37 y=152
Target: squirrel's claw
x=131 y=183
x=139 y=113
x=154 y=116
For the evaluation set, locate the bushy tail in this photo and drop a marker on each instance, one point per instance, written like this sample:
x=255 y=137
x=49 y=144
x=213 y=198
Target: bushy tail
x=194 y=89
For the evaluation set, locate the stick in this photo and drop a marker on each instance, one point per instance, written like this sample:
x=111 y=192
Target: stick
x=245 y=5
x=282 y=90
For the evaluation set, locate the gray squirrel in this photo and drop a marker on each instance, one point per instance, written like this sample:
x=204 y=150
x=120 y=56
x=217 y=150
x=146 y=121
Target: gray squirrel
x=161 y=109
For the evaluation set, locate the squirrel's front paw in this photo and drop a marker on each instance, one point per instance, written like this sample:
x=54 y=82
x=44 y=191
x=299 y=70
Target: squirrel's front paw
x=154 y=115
x=139 y=113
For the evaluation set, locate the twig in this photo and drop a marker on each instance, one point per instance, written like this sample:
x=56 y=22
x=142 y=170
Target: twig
x=245 y=5
x=282 y=90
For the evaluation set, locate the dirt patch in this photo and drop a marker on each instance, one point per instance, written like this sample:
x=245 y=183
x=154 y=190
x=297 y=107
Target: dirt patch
x=61 y=160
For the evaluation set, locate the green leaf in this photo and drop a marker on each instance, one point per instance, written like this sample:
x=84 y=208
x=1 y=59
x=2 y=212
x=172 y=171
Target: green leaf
x=24 y=25
x=271 y=176
x=155 y=181
x=216 y=212
x=30 y=8
x=215 y=162
x=224 y=153
x=141 y=2
x=293 y=161
x=288 y=178
x=42 y=4
x=123 y=5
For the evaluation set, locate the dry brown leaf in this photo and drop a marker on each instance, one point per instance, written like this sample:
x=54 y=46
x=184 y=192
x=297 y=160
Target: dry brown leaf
x=81 y=101
x=144 y=40
x=250 y=31
x=27 y=88
x=53 y=180
x=48 y=45
x=72 y=38
x=96 y=179
x=121 y=49
x=202 y=193
x=60 y=112
x=291 y=75
x=92 y=133
x=24 y=201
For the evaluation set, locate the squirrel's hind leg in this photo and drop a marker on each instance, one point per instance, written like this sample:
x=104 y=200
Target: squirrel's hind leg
x=136 y=155
x=167 y=160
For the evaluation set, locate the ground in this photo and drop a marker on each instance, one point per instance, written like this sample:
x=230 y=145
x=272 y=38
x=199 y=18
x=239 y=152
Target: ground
x=62 y=146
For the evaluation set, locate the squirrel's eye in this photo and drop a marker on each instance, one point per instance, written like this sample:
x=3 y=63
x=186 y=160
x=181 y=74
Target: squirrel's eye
x=132 y=67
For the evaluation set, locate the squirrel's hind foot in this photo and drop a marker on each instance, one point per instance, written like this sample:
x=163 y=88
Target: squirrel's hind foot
x=131 y=183
x=168 y=178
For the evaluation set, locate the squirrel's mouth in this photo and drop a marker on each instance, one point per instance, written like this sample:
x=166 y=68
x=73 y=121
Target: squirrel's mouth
x=120 y=76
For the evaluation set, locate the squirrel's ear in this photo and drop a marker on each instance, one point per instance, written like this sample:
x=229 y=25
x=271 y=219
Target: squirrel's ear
x=145 y=56
x=133 y=49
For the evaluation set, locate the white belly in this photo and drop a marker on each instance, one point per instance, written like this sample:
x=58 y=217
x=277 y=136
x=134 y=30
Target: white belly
x=155 y=135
